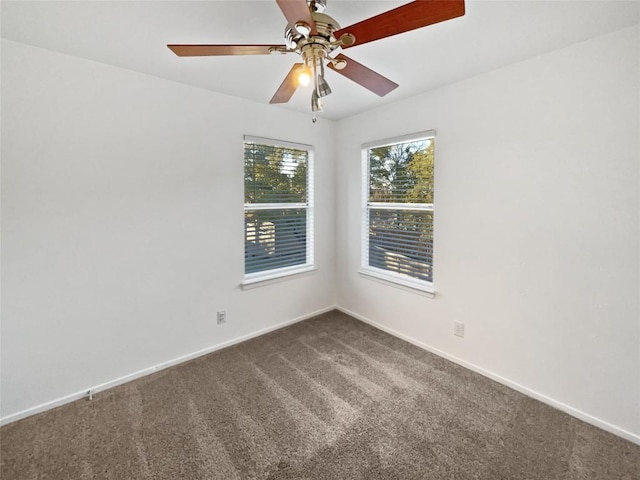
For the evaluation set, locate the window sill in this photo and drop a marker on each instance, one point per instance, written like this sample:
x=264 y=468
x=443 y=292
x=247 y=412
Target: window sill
x=261 y=280
x=398 y=282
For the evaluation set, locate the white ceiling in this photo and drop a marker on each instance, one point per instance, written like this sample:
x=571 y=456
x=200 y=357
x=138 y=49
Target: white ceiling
x=134 y=34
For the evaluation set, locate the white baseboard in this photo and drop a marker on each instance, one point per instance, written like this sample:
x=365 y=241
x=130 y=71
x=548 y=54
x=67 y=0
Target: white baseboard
x=620 y=432
x=147 y=371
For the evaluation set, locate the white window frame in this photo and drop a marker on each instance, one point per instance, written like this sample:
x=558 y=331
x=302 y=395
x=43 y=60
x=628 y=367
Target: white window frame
x=266 y=277
x=386 y=276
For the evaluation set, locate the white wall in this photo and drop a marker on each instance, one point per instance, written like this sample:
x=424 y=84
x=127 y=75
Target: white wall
x=122 y=223
x=536 y=229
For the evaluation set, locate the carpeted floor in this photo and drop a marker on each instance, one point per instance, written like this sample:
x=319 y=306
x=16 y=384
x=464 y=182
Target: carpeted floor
x=327 y=398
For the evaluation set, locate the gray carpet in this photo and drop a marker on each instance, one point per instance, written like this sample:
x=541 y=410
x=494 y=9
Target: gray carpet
x=327 y=398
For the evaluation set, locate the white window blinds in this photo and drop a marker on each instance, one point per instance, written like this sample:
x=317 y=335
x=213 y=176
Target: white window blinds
x=397 y=234
x=278 y=214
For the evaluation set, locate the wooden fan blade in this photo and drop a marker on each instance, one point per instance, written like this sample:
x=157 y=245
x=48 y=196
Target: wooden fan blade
x=407 y=17
x=365 y=76
x=288 y=87
x=213 y=50
x=297 y=11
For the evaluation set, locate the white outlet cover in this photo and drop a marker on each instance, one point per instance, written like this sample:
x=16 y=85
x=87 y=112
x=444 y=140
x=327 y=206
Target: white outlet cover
x=458 y=329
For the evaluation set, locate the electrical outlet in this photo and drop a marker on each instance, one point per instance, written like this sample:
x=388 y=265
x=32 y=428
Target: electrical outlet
x=458 y=329
x=222 y=317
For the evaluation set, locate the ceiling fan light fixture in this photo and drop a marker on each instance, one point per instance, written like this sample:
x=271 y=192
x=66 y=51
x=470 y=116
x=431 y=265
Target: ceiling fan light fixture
x=316 y=103
x=323 y=87
x=304 y=76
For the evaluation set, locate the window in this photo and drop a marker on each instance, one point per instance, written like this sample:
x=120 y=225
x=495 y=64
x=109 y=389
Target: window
x=278 y=209
x=397 y=226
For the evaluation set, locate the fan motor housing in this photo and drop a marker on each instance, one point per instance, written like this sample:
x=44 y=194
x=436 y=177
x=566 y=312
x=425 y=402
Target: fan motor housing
x=325 y=25
x=318 y=5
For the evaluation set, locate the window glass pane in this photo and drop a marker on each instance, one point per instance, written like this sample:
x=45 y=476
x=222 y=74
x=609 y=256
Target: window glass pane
x=275 y=239
x=274 y=174
x=401 y=241
x=397 y=234
x=402 y=172
x=277 y=234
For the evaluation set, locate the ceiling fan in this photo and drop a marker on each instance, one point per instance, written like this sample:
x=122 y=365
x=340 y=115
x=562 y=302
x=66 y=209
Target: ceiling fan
x=315 y=36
